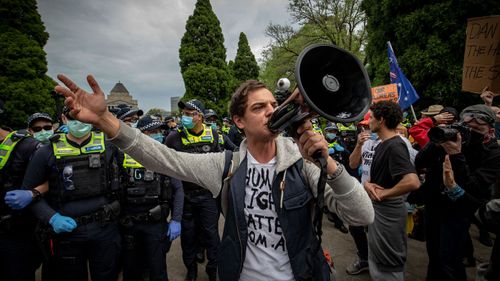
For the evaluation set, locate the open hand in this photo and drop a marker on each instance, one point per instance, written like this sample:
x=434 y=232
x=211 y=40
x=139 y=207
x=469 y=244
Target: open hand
x=85 y=107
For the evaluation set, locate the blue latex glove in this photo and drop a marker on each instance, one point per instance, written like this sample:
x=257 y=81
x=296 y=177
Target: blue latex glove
x=331 y=151
x=62 y=223
x=174 y=230
x=18 y=199
x=338 y=147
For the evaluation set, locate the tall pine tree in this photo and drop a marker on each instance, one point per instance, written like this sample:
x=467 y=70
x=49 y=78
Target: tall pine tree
x=203 y=59
x=24 y=86
x=245 y=66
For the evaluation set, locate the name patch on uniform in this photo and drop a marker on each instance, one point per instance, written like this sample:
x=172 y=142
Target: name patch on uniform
x=206 y=137
x=93 y=148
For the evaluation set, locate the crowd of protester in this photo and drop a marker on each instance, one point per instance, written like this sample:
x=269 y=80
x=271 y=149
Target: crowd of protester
x=428 y=179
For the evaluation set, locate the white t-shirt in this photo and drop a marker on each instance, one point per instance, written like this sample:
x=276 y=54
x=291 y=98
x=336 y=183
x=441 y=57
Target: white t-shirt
x=367 y=151
x=266 y=253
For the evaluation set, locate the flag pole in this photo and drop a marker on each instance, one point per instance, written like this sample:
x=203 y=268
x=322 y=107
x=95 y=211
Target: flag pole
x=413 y=112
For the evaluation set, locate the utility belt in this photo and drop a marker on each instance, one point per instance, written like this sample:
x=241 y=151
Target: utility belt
x=156 y=214
x=108 y=213
x=195 y=191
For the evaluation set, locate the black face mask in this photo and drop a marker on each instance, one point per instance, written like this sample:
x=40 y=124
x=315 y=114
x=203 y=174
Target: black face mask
x=475 y=139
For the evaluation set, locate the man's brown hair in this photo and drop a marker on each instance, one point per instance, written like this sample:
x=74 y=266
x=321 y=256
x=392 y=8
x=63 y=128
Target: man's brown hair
x=240 y=97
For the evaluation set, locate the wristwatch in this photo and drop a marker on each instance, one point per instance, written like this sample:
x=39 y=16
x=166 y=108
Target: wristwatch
x=36 y=195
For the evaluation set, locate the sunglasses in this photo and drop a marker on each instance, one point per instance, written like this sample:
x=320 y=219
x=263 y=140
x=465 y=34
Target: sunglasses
x=481 y=119
x=37 y=129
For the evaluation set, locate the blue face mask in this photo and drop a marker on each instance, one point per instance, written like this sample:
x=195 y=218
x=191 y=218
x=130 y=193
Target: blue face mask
x=78 y=129
x=373 y=136
x=331 y=136
x=134 y=125
x=157 y=137
x=213 y=125
x=187 y=122
x=43 y=136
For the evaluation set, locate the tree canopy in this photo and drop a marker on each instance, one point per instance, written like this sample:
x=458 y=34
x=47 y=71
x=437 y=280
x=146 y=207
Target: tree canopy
x=428 y=38
x=203 y=59
x=245 y=66
x=24 y=86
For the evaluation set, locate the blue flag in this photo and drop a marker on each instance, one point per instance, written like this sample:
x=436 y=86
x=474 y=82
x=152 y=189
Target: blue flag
x=406 y=92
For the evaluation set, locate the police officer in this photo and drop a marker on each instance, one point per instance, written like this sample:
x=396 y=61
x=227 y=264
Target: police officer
x=40 y=126
x=199 y=206
x=128 y=114
x=19 y=255
x=211 y=120
x=80 y=206
x=146 y=203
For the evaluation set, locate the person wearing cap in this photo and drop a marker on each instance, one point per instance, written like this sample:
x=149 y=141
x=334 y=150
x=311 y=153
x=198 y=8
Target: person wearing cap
x=147 y=197
x=226 y=125
x=200 y=208
x=81 y=207
x=211 y=120
x=128 y=114
x=434 y=115
x=269 y=184
x=40 y=126
x=475 y=162
x=19 y=252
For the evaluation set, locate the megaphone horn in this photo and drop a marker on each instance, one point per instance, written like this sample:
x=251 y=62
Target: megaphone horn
x=333 y=83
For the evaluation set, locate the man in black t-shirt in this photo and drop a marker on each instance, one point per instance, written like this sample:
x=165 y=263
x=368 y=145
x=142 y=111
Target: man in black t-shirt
x=392 y=176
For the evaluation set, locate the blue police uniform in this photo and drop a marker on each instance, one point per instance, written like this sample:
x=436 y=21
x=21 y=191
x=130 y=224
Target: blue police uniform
x=83 y=183
x=200 y=208
x=146 y=201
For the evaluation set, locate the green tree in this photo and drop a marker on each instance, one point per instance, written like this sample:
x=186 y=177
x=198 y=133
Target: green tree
x=245 y=66
x=428 y=38
x=157 y=112
x=279 y=58
x=203 y=58
x=24 y=86
x=338 y=22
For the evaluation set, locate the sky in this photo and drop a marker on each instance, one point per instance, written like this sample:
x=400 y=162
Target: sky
x=137 y=42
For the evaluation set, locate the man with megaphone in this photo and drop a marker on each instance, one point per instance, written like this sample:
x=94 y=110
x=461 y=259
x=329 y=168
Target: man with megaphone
x=270 y=182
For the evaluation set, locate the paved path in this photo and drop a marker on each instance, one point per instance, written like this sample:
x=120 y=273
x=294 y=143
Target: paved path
x=344 y=252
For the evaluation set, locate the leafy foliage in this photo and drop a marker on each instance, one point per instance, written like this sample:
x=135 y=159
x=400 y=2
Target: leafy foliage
x=428 y=38
x=338 y=22
x=24 y=87
x=203 y=59
x=245 y=66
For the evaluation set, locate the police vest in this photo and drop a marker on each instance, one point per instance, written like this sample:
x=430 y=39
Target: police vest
x=81 y=172
x=316 y=128
x=225 y=129
x=7 y=146
x=342 y=127
x=143 y=187
x=203 y=143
